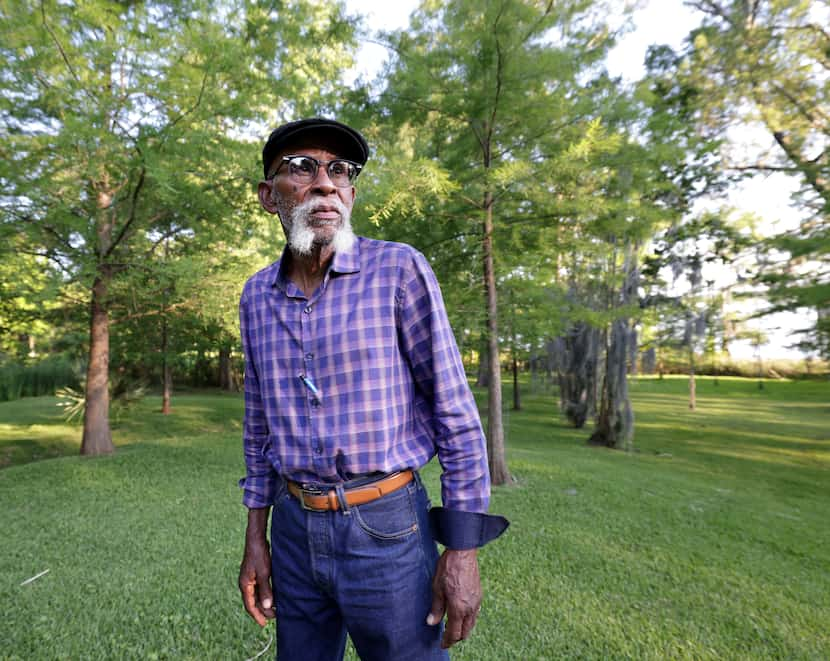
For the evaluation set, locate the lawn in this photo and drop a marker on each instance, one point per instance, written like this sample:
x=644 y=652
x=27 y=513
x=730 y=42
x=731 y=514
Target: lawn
x=710 y=540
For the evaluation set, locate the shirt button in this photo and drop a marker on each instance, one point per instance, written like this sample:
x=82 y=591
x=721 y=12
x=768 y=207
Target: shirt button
x=307 y=309
x=318 y=450
x=309 y=356
x=315 y=402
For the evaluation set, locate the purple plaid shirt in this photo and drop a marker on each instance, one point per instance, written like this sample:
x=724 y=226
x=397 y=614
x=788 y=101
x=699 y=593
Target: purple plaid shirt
x=363 y=376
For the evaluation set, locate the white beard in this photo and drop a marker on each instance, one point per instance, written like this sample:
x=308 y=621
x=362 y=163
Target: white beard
x=301 y=237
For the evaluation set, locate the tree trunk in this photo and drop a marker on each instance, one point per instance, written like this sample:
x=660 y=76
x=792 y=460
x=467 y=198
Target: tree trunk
x=615 y=423
x=483 y=377
x=166 y=372
x=166 y=376
x=517 y=404
x=633 y=345
x=167 y=388
x=97 y=438
x=692 y=383
x=225 y=374
x=760 y=367
x=648 y=361
x=495 y=429
x=577 y=373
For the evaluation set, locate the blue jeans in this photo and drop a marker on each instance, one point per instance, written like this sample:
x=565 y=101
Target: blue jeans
x=366 y=571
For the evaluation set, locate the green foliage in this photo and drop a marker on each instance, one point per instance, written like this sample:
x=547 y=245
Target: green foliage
x=763 y=65
x=44 y=377
x=428 y=182
x=71 y=402
x=510 y=101
x=124 y=394
x=120 y=136
x=703 y=545
x=124 y=161
x=28 y=288
x=686 y=306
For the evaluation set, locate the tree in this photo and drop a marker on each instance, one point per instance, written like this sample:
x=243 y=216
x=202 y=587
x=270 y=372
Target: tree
x=526 y=309
x=28 y=287
x=577 y=372
x=703 y=258
x=615 y=422
x=496 y=95
x=688 y=155
x=764 y=64
x=118 y=130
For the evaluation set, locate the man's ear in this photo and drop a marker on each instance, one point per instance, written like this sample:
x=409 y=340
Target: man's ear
x=266 y=196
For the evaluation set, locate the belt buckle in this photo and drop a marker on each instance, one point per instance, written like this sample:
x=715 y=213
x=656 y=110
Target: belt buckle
x=310 y=492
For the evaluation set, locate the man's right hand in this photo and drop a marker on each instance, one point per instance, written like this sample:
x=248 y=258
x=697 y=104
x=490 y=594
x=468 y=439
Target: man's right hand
x=255 y=571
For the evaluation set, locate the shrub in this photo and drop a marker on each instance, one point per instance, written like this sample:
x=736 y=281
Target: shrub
x=44 y=377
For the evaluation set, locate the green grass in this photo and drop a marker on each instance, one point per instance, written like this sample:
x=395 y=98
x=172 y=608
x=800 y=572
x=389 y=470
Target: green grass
x=709 y=541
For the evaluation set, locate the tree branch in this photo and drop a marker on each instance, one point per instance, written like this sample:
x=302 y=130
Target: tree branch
x=193 y=108
x=448 y=239
x=499 y=84
x=167 y=235
x=761 y=167
x=810 y=171
x=53 y=257
x=536 y=25
x=151 y=312
x=753 y=12
x=131 y=217
x=807 y=113
x=63 y=53
x=709 y=7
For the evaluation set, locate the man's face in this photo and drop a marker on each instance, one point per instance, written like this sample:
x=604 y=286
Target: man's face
x=312 y=213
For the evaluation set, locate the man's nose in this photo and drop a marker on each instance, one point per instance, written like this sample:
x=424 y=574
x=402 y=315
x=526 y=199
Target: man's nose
x=322 y=182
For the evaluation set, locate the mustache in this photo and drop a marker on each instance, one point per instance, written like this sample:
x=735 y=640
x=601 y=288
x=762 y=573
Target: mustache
x=312 y=205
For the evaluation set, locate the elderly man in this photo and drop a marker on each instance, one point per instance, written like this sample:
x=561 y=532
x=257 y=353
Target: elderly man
x=353 y=381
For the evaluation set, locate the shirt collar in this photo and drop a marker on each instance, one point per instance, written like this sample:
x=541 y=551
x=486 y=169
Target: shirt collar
x=343 y=262
x=281 y=276
x=347 y=261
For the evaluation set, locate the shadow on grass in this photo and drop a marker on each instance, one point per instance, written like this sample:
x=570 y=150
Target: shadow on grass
x=25 y=450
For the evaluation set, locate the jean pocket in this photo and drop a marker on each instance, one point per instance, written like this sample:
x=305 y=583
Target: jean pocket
x=282 y=494
x=390 y=517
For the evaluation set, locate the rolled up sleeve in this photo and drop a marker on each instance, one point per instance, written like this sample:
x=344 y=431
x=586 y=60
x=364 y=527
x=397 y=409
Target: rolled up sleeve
x=260 y=481
x=430 y=347
x=429 y=343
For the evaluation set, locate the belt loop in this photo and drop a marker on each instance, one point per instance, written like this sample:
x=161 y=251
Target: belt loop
x=341 y=497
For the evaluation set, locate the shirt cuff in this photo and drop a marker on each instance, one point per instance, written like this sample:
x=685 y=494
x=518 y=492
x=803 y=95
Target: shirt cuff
x=257 y=494
x=457 y=530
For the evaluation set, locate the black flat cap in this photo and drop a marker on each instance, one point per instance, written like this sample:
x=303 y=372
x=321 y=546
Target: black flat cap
x=351 y=144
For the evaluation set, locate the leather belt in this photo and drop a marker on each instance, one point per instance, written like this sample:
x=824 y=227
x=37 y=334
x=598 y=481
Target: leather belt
x=324 y=500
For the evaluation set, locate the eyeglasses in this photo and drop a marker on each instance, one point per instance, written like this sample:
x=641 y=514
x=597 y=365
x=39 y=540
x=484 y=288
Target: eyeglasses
x=303 y=170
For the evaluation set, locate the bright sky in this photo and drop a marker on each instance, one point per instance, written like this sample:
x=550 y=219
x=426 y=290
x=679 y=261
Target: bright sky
x=658 y=22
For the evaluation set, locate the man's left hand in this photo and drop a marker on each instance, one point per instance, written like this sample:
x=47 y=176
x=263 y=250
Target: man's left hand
x=456 y=591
